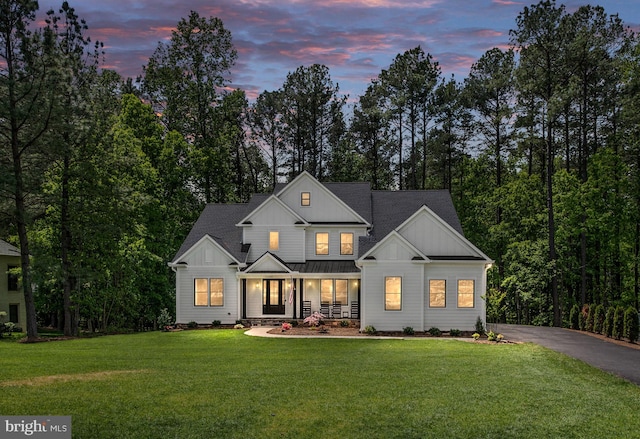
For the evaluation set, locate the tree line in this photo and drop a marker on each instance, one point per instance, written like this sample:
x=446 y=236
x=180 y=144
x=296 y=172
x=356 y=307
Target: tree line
x=101 y=177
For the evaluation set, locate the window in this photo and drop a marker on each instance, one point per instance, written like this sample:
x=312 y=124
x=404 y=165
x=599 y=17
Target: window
x=305 y=199
x=13 y=313
x=326 y=290
x=274 y=241
x=12 y=278
x=334 y=291
x=465 y=293
x=322 y=243
x=393 y=293
x=216 y=292
x=209 y=292
x=341 y=291
x=437 y=293
x=201 y=292
x=346 y=243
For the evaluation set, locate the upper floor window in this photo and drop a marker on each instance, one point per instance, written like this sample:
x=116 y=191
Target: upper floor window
x=322 y=243
x=346 y=243
x=393 y=293
x=274 y=241
x=437 y=293
x=305 y=199
x=465 y=293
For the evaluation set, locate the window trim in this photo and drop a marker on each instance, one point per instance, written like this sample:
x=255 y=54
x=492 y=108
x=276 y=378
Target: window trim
x=473 y=293
x=444 y=293
x=342 y=243
x=305 y=199
x=317 y=235
x=208 y=280
x=386 y=279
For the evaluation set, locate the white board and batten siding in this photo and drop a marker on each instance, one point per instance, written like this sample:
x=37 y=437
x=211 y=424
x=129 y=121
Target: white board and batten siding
x=432 y=237
x=205 y=260
x=323 y=206
x=451 y=316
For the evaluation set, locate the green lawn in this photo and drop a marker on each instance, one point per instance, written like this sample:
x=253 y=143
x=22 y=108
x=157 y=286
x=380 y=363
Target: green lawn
x=223 y=384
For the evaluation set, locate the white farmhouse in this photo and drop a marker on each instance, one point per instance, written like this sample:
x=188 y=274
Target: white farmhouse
x=391 y=259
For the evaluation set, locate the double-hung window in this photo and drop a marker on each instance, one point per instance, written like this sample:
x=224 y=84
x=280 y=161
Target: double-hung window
x=437 y=293
x=209 y=292
x=466 y=294
x=393 y=293
x=346 y=243
x=322 y=243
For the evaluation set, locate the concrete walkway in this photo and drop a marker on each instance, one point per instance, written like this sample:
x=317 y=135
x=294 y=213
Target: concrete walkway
x=263 y=331
x=619 y=360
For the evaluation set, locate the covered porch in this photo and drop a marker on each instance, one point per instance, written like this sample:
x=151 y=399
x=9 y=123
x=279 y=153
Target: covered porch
x=329 y=287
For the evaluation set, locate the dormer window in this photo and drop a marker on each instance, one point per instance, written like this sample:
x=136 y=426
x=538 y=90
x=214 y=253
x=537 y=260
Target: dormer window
x=305 y=199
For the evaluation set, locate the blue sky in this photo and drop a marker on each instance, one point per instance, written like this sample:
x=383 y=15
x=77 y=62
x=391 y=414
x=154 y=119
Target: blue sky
x=356 y=39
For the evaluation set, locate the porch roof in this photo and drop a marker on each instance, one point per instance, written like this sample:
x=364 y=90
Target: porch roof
x=325 y=267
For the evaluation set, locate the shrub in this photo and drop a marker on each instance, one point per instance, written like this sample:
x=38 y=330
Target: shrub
x=294 y=323
x=475 y=336
x=238 y=326
x=573 y=316
x=590 y=316
x=455 y=332
x=192 y=325
x=435 y=331
x=345 y=323
x=618 y=323
x=165 y=319
x=598 y=319
x=408 y=330
x=315 y=319
x=370 y=330
x=582 y=317
x=631 y=324
x=607 y=326
x=491 y=336
x=216 y=323
x=479 y=326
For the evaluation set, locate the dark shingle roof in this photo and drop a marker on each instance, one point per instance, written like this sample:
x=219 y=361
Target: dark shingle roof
x=392 y=208
x=7 y=249
x=355 y=195
x=219 y=221
x=386 y=210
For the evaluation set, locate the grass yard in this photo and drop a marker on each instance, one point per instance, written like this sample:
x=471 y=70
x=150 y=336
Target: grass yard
x=223 y=384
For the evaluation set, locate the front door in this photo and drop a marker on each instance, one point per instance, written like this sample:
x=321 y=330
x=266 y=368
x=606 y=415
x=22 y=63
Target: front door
x=272 y=296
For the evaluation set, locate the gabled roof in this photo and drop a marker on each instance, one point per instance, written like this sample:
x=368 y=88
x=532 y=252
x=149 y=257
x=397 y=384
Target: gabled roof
x=7 y=249
x=352 y=196
x=392 y=208
x=273 y=200
x=218 y=221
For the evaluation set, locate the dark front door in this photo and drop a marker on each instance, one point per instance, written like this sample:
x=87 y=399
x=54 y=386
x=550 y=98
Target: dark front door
x=273 y=296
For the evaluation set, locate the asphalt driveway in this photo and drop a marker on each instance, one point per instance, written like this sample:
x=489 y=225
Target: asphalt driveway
x=619 y=360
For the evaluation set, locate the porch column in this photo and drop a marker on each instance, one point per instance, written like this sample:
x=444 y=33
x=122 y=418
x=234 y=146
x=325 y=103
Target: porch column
x=295 y=294
x=244 y=299
x=301 y=283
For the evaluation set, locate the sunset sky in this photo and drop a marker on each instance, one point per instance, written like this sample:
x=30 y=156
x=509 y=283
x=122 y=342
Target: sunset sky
x=356 y=39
